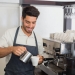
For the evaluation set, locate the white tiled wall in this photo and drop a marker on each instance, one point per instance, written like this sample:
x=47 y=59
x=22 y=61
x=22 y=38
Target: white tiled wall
x=9 y=17
x=50 y=20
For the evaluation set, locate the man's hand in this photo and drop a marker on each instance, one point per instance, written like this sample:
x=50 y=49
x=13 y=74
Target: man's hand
x=40 y=59
x=18 y=50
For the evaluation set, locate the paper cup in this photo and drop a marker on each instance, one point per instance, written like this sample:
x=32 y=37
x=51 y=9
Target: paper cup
x=34 y=60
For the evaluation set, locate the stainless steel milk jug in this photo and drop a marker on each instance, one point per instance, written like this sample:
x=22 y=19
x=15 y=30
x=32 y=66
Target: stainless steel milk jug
x=25 y=57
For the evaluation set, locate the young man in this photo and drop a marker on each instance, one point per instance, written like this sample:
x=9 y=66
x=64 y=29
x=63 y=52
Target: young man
x=16 y=41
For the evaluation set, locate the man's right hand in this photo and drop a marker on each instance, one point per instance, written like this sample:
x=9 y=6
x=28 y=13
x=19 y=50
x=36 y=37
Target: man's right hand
x=18 y=50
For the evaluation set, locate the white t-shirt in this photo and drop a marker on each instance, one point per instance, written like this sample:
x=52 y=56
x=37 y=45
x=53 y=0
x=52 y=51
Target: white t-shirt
x=7 y=40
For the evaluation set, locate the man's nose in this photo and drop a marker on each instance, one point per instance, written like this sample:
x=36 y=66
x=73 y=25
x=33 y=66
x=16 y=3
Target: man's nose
x=30 y=25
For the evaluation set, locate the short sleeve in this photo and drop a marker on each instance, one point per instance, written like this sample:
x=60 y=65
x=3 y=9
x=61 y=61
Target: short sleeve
x=4 y=40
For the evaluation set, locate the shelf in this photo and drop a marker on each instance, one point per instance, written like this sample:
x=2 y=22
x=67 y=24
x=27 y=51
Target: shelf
x=46 y=2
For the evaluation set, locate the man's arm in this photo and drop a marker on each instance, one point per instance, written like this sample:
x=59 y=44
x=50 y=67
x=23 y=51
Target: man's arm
x=5 y=51
x=17 y=50
x=40 y=48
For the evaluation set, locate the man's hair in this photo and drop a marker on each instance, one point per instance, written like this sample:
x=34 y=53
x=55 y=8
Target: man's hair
x=30 y=11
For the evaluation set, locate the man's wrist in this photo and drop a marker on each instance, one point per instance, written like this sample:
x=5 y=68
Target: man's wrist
x=10 y=49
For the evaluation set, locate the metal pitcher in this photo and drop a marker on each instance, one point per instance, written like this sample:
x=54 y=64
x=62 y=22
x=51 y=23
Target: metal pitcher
x=25 y=57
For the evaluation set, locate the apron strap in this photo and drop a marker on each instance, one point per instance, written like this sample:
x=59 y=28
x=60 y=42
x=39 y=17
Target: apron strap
x=35 y=40
x=15 y=36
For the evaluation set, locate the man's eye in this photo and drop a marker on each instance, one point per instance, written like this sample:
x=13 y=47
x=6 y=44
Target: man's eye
x=27 y=22
x=34 y=22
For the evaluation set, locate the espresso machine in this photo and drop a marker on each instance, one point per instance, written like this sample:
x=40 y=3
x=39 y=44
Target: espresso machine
x=59 y=57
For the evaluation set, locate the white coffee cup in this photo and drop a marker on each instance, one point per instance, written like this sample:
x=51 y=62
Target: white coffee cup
x=34 y=60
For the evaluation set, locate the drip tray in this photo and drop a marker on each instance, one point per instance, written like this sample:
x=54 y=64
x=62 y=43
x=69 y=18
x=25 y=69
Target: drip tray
x=55 y=68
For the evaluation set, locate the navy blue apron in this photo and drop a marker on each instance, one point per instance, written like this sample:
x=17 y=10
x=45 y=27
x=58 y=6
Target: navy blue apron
x=15 y=66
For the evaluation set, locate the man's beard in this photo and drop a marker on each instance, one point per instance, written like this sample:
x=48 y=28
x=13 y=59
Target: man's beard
x=28 y=31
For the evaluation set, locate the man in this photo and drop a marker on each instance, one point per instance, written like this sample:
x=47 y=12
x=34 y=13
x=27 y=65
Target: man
x=16 y=41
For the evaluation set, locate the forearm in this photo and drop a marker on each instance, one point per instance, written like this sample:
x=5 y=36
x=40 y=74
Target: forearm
x=5 y=51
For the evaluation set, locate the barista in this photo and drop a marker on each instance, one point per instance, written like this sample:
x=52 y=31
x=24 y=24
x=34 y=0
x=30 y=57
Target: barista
x=17 y=40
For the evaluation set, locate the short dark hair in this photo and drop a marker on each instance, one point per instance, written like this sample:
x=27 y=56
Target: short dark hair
x=30 y=11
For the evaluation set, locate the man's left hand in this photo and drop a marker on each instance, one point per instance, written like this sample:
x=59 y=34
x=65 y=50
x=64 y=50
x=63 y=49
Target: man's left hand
x=40 y=59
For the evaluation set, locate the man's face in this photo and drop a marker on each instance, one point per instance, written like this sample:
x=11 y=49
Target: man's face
x=29 y=23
